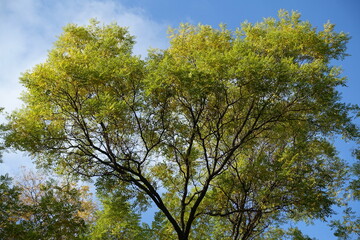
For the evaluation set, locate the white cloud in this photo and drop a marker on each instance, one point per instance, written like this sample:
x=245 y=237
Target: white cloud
x=29 y=27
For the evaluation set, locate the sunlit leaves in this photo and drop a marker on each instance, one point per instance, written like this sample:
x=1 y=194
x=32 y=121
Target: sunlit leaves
x=228 y=129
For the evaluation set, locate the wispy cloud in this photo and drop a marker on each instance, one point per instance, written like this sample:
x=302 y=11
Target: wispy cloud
x=28 y=29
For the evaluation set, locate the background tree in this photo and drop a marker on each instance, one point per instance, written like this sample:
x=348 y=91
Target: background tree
x=183 y=123
x=10 y=208
x=36 y=207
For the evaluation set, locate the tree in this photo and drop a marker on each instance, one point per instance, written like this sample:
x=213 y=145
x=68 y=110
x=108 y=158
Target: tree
x=40 y=208
x=349 y=226
x=186 y=126
x=9 y=207
x=119 y=217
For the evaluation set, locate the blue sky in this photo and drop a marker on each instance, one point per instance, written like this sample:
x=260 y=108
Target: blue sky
x=29 y=27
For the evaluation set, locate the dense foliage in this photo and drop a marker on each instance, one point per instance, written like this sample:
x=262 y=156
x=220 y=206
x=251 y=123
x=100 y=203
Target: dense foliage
x=226 y=132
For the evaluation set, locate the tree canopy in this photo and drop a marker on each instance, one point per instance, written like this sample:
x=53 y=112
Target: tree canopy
x=226 y=132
